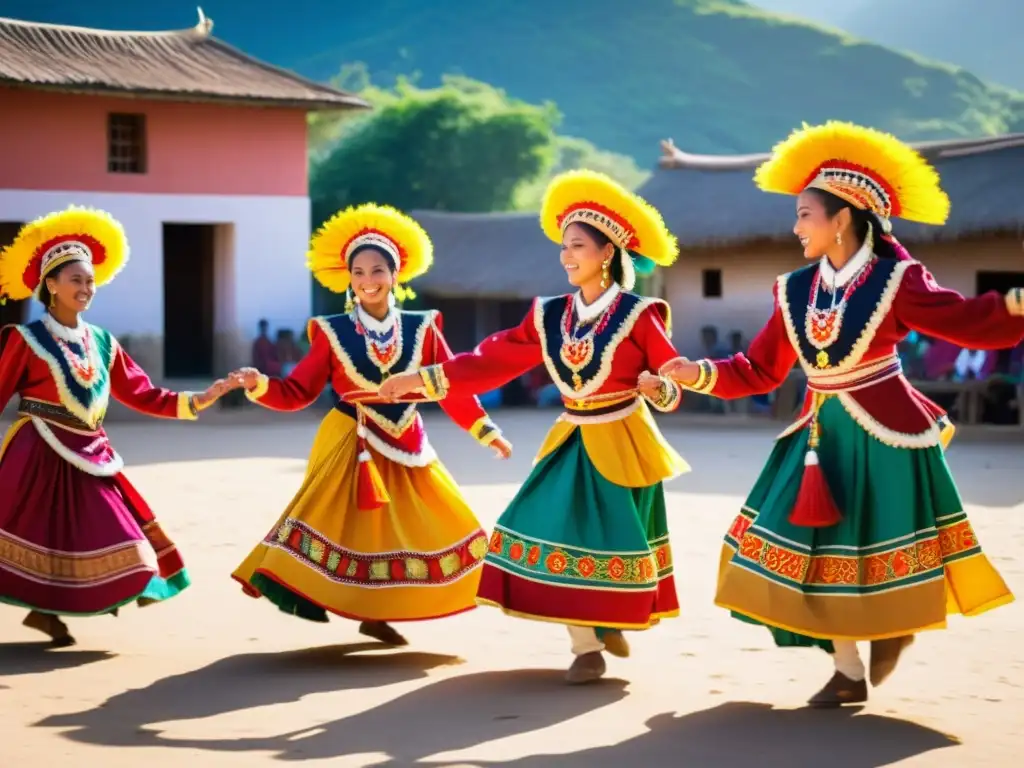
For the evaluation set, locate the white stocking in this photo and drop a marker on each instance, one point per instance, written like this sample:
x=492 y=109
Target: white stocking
x=847 y=659
x=584 y=640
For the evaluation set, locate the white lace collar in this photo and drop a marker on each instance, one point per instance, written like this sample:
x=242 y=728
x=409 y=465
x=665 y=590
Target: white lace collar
x=76 y=334
x=587 y=313
x=832 y=278
x=371 y=322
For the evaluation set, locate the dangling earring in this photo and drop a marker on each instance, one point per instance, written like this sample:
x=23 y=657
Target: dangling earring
x=839 y=238
x=53 y=300
x=605 y=276
x=349 y=305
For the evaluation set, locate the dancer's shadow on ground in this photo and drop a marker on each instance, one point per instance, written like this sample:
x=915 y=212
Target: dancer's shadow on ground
x=741 y=734
x=243 y=682
x=36 y=658
x=454 y=713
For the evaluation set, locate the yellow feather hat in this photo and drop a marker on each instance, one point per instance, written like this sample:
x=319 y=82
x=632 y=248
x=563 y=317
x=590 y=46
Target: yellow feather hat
x=593 y=198
x=869 y=169
x=75 y=234
x=381 y=226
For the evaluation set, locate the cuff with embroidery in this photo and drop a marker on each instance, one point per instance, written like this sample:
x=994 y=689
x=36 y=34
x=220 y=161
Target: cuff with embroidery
x=187 y=409
x=261 y=388
x=706 y=379
x=435 y=383
x=1015 y=302
x=485 y=431
x=668 y=397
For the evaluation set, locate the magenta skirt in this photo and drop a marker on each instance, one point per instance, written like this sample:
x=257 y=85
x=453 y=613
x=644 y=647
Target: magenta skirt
x=72 y=542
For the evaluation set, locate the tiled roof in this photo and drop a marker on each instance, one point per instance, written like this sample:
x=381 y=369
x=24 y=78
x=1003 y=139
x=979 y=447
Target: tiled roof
x=490 y=255
x=712 y=200
x=181 y=64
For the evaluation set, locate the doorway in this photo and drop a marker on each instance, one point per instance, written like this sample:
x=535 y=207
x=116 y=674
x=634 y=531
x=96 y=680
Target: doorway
x=13 y=312
x=998 y=281
x=189 y=254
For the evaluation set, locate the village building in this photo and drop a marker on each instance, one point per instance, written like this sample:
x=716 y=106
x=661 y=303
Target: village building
x=198 y=149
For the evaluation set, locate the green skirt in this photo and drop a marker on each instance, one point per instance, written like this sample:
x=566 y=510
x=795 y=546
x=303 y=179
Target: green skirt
x=902 y=558
x=575 y=548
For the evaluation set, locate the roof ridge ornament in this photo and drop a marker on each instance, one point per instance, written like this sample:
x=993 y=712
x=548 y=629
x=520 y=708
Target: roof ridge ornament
x=205 y=25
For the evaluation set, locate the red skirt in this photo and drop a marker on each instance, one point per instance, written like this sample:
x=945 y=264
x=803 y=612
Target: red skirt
x=71 y=541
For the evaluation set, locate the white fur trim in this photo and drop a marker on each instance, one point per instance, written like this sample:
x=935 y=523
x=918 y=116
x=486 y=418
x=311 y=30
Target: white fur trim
x=111 y=468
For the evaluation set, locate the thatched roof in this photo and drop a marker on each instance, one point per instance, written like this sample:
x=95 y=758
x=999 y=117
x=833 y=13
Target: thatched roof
x=490 y=255
x=182 y=64
x=712 y=200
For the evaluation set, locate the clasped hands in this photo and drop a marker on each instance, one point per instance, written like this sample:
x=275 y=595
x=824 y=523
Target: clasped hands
x=681 y=371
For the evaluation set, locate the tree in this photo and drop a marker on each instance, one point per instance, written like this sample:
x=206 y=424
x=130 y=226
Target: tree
x=464 y=146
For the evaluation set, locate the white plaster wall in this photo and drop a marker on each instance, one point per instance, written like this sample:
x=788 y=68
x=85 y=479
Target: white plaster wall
x=260 y=248
x=748 y=275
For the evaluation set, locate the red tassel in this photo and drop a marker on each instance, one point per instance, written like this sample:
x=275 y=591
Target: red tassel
x=370 y=491
x=815 y=507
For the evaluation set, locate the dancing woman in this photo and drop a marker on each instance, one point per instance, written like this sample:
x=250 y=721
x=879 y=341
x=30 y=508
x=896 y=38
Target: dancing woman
x=855 y=530
x=585 y=541
x=378 y=531
x=76 y=538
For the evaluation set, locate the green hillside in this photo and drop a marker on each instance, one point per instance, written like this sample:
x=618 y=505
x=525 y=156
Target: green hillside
x=718 y=76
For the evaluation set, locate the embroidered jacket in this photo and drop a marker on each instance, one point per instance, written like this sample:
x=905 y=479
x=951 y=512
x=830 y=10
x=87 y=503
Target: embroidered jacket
x=630 y=336
x=66 y=398
x=855 y=358
x=340 y=353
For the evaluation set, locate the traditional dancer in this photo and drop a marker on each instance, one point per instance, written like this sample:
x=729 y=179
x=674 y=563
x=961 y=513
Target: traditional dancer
x=76 y=538
x=378 y=532
x=585 y=541
x=855 y=529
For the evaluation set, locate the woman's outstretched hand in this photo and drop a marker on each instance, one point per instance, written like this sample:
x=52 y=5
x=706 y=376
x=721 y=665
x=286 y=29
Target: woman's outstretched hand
x=682 y=371
x=213 y=393
x=649 y=385
x=400 y=385
x=244 y=377
x=501 y=447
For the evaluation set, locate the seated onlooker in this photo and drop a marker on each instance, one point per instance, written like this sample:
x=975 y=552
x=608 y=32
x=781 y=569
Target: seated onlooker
x=973 y=365
x=288 y=352
x=264 y=354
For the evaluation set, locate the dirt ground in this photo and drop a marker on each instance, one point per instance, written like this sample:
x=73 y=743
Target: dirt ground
x=213 y=678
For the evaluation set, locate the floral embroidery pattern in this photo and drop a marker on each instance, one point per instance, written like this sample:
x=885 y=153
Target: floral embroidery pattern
x=910 y=560
x=380 y=569
x=543 y=559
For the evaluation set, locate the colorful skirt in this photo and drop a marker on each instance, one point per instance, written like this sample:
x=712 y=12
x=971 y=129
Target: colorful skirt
x=585 y=541
x=416 y=558
x=903 y=557
x=71 y=542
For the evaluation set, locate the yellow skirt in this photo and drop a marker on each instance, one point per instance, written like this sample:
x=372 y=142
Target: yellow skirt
x=417 y=558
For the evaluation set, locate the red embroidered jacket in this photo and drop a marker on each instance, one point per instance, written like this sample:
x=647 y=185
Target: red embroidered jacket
x=339 y=354
x=894 y=297
x=67 y=400
x=631 y=337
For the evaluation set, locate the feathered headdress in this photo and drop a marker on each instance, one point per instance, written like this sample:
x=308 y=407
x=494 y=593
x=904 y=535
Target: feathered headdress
x=871 y=170
x=75 y=234
x=627 y=219
x=400 y=237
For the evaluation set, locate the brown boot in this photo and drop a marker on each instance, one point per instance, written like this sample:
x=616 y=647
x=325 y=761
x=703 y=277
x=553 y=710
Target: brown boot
x=615 y=643
x=52 y=626
x=885 y=655
x=381 y=630
x=586 y=668
x=838 y=691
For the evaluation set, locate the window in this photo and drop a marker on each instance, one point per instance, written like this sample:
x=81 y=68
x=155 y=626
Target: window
x=126 y=143
x=711 y=281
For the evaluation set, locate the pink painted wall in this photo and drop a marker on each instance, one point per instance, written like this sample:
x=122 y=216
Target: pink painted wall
x=58 y=141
